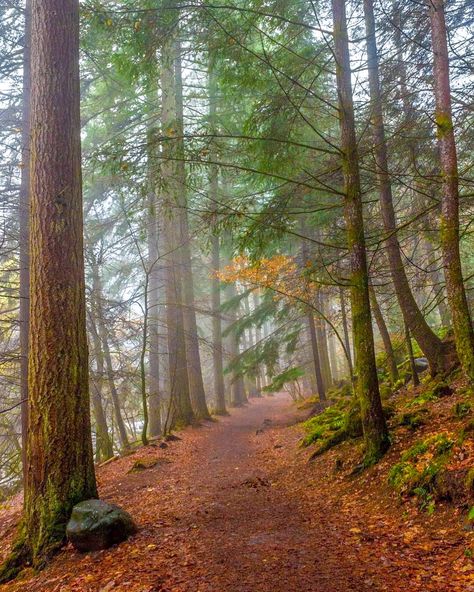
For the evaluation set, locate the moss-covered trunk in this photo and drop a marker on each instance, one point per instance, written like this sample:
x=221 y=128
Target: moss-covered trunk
x=373 y=421
x=462 y=325
x=24 y=220
x=60 y=469
x=428 y=341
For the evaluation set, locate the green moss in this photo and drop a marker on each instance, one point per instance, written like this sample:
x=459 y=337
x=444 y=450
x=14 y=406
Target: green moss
x=469 y=481
x=385 y=391
x=444 y=124
x=418 y=467
x=438 y=390
x=461 y=409
x=413 y=419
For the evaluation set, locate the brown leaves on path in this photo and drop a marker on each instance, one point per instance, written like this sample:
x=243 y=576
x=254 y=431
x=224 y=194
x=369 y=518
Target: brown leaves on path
x=234 y=512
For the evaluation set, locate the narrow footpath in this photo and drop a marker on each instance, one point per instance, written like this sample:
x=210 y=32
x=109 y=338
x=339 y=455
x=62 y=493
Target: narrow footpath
x=221 y=511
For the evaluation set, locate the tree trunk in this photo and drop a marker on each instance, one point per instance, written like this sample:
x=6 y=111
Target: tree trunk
x=333 y=357
x=315 y=357
x=431 y=345
x=462 y=325
x=373 y=421
x=60 y=467
x=345 y=328
x=217 y=349
x=315 y=346
x=323 y=343
x=154 y=399
x=23 y=216
x=180 y=412
x=411 y=357
x=103 y=443
x=237 y=380
x=217 y=324
x=196 y=383
x=104 y=337
x=385 y=335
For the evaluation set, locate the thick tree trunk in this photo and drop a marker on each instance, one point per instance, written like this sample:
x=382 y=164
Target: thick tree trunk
x=373 y=421
x=462 y=325
x=180 y=411
x=60 y=467
x=431 y=345
x=24 y=216
x=385 y=335
x=196 y=383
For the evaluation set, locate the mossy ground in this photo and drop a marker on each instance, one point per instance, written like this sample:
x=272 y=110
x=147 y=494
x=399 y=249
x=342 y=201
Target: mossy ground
x=432 y=431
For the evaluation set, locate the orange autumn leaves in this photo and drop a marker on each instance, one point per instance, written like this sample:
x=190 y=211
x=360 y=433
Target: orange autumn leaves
x=279 y=273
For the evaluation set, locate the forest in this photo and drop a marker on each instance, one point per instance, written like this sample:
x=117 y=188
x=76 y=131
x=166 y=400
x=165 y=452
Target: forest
x=236 y=295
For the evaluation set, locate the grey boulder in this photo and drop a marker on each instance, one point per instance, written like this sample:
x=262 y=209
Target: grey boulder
x=96 y=525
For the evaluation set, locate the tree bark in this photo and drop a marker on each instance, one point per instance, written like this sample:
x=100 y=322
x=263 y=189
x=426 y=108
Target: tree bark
x=411 y=357
x=180 y=411
x=154 y=398
x=321 y=334
x=237 y=381
x=385 y=335
x=60 y=467
x=462 y=325
x=321 y=385
x=196 y=383
x=315 y=357
x=345 y=328
x=103 y=443
x=23 y=216
x=104 y=337
x=373 y=421
x=431 y=345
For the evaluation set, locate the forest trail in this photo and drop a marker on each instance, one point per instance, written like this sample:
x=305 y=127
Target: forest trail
x=234 y=507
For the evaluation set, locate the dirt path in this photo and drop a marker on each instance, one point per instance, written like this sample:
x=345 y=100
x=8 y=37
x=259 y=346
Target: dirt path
x=234 y=506
x=216 y=514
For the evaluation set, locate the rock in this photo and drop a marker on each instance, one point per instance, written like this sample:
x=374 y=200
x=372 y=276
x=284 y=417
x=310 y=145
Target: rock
x=468 y=526
x=442 y=389
x=96 y=525
x=172 y=438
x=421 y=364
